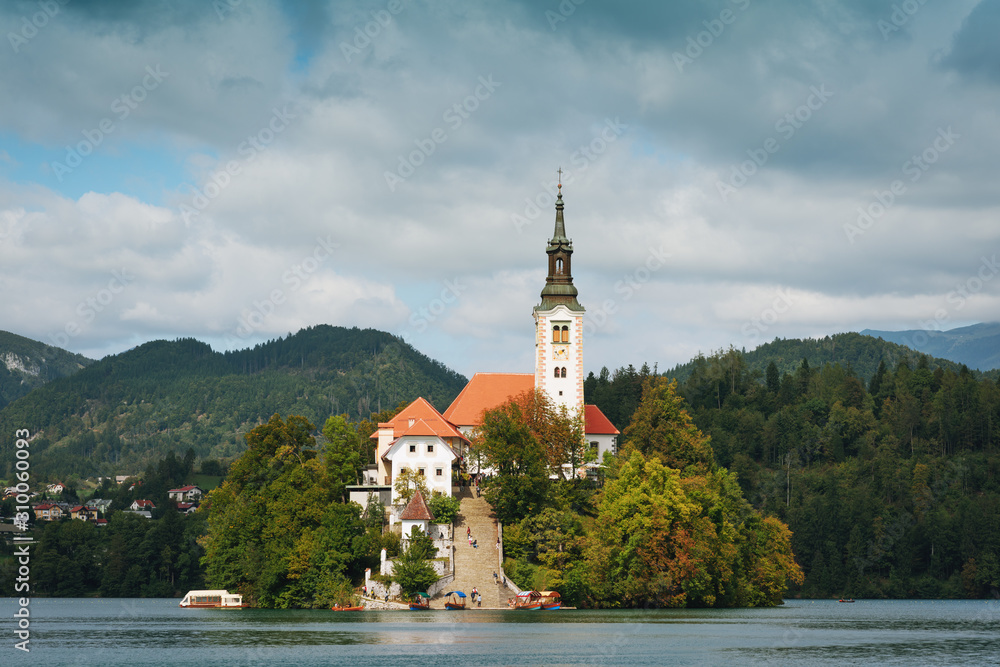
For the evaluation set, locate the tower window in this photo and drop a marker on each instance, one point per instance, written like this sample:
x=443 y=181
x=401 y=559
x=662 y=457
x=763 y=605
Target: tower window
x=559 y=266
x=555 y=334
x=565 y=334
x=564 y=371
x=430 y=449
x=557 y=371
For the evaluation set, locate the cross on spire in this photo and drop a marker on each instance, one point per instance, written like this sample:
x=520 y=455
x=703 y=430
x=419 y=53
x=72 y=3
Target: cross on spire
x=559 y=171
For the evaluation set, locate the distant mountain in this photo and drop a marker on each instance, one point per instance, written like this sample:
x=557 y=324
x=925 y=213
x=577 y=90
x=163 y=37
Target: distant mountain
x=976 y=346
x=862 y=352
x=120 y=413
x=27 y=364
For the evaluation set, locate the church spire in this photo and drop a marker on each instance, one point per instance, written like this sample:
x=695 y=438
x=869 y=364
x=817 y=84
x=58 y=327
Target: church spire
x=559 y=288
x=560 y=234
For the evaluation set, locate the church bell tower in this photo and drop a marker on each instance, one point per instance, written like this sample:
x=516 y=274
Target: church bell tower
x=559 y=325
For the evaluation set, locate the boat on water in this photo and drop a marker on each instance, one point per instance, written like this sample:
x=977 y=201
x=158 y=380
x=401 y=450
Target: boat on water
x=528 y=601
x=213 y=600
x=846 y=600
x=420 y=602
x=339 y=608
x=454 y=600
x=550 y=600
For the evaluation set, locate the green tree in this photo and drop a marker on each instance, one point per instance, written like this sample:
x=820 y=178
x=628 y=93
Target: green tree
x=343 y=462
x=444 y=508
x=408 y=482
x=276 y=532
x=661 y=427
x=506 y=441
x=411 y=570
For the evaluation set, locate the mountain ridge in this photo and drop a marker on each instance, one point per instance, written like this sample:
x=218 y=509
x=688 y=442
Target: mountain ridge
x=26 y=364
x=977 y=346
x=119 y=413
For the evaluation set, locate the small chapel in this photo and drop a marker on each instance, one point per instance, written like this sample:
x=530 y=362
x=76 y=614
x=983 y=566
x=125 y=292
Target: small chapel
x=421 y=438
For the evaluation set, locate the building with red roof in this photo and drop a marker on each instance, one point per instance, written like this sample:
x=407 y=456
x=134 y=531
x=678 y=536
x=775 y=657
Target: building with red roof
x=186 y=494
x=419 y=438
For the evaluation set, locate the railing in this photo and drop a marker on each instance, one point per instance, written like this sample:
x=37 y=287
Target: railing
x=504 y=578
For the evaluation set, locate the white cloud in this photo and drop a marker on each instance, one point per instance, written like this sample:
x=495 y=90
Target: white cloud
x=650 y=188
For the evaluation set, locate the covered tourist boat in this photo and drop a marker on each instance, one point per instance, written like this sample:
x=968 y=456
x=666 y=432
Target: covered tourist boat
x=213 y=600
x=454 y=600
x=528 y=600
x=421 y=602
x=550 y=600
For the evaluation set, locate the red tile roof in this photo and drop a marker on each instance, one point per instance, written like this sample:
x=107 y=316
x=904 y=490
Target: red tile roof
x=486 y=391
x=420 y=411
x=145 y=503
x=183 y=489
x=416 y=509
x=595 y=422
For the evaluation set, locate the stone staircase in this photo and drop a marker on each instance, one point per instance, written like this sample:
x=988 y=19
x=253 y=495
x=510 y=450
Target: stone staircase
x=474 y=566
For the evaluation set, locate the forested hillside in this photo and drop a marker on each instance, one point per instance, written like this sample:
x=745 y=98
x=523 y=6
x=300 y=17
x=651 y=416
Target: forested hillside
x=26 y=364
x=126 y=410
x=891 y=487
x=862 y=353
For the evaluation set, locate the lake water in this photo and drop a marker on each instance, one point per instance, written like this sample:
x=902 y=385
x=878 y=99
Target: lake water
x=802 y=632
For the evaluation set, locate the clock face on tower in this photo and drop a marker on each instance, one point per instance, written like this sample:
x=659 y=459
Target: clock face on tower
x=559 y=353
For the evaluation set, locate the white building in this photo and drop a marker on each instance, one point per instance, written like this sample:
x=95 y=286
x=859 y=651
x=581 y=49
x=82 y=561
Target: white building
x=419 y=438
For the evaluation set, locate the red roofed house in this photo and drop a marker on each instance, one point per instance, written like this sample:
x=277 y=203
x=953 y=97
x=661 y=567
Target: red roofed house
x=421 y=439
x=142 y=505
x=558 y=355
x=83 y=513
x=48 y=512
x=186 y=494
x=416 y=515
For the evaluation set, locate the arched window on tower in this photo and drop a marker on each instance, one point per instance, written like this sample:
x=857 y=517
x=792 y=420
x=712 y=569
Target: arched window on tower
x=555 y=334
x=565 y=334
x=564 y=371
x=557 y=372
x=559 y=266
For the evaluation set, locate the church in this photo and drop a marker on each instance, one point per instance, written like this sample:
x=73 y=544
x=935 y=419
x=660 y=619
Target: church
x=422 y=439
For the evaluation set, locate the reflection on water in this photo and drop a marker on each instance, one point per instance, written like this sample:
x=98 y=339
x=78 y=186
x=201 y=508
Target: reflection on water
x=802 y=632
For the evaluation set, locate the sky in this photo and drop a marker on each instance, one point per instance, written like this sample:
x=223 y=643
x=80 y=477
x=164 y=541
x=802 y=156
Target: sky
x=733 y=171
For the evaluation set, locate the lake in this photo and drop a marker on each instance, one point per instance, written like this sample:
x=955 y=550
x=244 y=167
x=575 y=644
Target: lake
x=136 y=632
